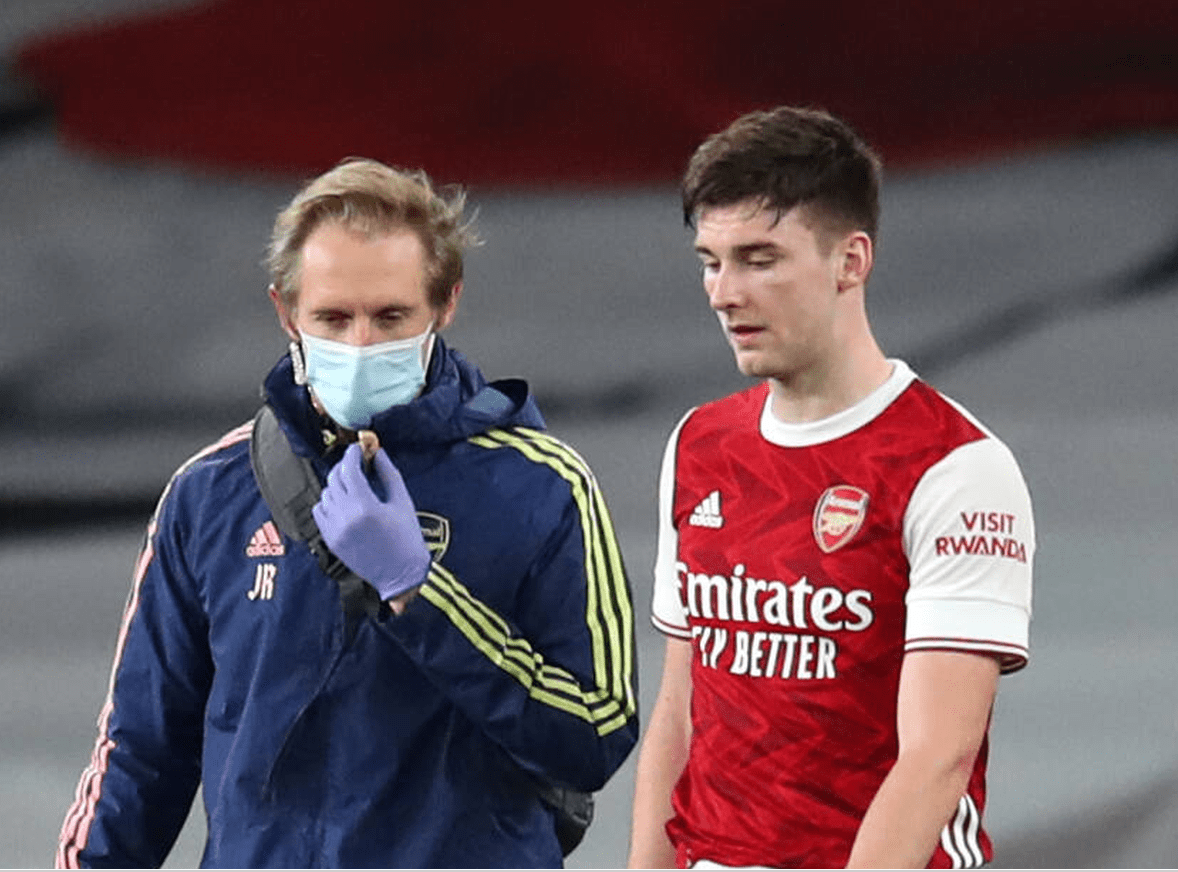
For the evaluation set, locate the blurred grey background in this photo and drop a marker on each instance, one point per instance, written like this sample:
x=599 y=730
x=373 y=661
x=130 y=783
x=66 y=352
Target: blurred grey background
x=1038 y=289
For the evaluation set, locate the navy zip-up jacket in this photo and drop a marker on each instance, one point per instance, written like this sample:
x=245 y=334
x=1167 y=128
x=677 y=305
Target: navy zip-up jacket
x=415 y=741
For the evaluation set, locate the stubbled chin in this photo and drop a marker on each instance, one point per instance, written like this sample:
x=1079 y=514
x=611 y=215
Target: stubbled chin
x=749 y=363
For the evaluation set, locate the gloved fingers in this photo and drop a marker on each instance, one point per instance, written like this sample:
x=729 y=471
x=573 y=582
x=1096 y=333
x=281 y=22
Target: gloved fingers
x=332 y=499
x=337 y=477
x=388 y=474
x=320 y=514
x=351 y=471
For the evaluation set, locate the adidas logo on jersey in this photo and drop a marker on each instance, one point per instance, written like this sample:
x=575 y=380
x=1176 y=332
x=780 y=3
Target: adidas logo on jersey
x=707 y=513
x=266 y=542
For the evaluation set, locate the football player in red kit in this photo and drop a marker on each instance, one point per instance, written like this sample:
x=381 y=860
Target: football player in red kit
x=844 y=555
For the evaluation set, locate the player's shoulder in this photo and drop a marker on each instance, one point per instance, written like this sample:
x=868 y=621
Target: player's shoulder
x=963 y=453
x=922 y=403
x=925 y=419
x=945 y=417
x=741 y=410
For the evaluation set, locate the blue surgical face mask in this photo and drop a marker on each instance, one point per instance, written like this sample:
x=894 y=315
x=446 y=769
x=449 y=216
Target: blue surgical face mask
x=354 y=383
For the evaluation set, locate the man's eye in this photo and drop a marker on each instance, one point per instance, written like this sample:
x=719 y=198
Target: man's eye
x=761 y=262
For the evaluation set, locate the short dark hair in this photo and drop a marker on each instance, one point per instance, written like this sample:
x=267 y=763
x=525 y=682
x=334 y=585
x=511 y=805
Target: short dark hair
x=788 y=157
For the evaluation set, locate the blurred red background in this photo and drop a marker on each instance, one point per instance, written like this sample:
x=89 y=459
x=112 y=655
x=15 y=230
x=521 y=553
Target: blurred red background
x=533 y=92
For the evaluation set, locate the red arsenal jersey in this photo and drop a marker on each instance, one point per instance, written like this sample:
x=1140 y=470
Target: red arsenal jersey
x=803 y=561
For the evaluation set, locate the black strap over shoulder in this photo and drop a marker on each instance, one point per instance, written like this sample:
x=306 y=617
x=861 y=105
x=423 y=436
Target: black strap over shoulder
x=288 y=482
x=290 y=487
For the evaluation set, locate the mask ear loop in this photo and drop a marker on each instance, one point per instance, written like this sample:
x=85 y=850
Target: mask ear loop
x=298 y=362
x=427 y=350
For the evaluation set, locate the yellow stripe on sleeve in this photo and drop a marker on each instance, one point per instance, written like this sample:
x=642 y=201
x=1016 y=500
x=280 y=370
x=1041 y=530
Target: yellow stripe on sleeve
x=608 y=612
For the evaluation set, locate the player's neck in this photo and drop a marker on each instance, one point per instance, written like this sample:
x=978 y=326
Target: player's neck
x=828 y=387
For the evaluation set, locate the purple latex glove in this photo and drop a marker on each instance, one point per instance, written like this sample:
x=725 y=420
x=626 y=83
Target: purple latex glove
x=377 y=538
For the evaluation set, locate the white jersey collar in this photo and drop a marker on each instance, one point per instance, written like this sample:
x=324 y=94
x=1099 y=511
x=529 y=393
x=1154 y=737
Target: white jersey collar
x=841 y=423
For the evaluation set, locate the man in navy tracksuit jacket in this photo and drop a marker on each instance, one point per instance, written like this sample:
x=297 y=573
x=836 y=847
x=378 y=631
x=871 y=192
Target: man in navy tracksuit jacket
x=417 y=737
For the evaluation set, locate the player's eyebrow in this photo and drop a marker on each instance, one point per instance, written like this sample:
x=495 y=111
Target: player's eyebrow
x=745 y=250
x=757 y=248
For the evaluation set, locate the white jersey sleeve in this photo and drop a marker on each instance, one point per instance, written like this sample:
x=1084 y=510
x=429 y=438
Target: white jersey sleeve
x=970 y=540
x=668 y=612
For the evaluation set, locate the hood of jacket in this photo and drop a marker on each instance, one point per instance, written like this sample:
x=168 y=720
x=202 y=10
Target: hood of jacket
x=457 y=402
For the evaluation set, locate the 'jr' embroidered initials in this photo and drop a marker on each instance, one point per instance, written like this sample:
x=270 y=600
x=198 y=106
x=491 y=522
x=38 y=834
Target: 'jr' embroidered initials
x=263 y=588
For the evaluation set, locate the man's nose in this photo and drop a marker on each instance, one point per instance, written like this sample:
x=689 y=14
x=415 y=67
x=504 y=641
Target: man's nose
x=363 y=332
x=723 y=289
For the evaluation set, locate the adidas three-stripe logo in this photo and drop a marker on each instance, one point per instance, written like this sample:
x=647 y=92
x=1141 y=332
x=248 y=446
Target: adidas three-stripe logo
x=960 y=837
x=707 y=513
x=266 y=542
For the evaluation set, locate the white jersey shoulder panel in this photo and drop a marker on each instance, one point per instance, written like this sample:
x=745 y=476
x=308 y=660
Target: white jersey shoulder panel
x=969 y=535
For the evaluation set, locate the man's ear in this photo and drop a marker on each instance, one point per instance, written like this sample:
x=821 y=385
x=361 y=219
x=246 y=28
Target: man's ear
x=448 y=311
x=285 y=313
x=856 y=258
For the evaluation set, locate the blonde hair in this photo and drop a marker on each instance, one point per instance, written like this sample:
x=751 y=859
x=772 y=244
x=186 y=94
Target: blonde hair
x=369 y=197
